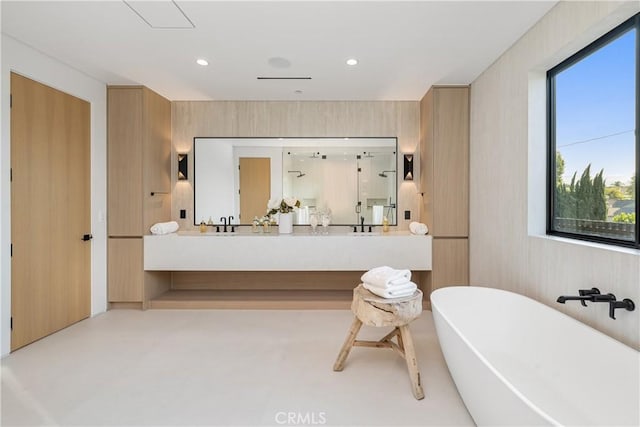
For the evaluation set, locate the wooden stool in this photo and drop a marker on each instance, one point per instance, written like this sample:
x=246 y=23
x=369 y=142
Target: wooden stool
x=372 y=310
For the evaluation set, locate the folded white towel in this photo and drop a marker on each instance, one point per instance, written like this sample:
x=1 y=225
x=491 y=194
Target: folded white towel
x=418 y=228
x=392 y=290
x=164 y=227
x=385 y=276
x=399 y=291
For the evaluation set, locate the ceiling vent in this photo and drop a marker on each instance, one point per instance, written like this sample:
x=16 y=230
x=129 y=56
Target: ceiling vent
x=283 y=78
x=165 y=14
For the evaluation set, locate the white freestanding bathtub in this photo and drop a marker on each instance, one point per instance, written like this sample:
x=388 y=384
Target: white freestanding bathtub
x=516 y=361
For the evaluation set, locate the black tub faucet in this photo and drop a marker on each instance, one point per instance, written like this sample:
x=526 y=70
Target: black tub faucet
x=362 y=224
x=594 y=295
x=224 y=221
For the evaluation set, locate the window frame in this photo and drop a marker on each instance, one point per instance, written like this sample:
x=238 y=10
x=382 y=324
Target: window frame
x=633 y=22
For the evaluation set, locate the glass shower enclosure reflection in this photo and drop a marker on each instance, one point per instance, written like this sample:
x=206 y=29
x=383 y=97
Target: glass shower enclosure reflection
x=352 y=186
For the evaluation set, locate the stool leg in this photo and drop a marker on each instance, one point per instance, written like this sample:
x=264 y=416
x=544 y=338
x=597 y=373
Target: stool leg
x=412 y=363
x=399 y=336
x=348 y=343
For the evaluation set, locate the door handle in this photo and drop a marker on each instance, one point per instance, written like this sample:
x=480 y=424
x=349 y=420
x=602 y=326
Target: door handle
x=87 y=237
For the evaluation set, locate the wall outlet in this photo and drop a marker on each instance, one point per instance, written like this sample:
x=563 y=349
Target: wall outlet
x=407 y=214
x=183 y=213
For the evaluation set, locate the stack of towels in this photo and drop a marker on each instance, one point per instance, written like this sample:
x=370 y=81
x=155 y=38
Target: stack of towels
x=418 y=228
x=389 y=283
x=164 y=227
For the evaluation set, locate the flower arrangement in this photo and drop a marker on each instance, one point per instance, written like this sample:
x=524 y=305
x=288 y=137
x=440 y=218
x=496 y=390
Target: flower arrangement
x=285 y=205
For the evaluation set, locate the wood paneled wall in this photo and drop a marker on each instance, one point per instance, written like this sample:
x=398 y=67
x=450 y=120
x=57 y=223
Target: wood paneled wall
x=293 y=119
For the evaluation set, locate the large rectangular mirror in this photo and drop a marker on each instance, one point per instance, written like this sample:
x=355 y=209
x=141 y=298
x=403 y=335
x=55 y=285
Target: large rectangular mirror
x=350 y=178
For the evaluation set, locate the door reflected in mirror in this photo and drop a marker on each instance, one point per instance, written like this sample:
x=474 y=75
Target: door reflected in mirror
x=344 y=179
x=254 y=185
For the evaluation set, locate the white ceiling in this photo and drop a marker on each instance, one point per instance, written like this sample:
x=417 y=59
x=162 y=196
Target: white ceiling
x=403 y=47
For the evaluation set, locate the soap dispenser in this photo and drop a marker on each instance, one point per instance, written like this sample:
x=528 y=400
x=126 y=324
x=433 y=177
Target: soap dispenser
x=385 y=224
x=203 y=227
x=255 y=226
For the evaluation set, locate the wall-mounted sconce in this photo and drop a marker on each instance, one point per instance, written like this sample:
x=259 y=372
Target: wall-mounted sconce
x=182 y=167
x=408 y=167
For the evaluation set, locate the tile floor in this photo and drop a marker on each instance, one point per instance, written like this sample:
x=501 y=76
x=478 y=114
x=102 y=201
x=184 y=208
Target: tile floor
x=223 y=367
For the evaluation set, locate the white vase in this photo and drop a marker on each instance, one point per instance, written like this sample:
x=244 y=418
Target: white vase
x=285 y=223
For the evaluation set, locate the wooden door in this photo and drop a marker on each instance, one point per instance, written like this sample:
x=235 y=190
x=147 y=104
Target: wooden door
x=50 y=210
x=255 y=187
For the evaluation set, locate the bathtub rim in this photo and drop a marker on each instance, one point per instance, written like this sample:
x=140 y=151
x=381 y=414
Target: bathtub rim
x=548 y=307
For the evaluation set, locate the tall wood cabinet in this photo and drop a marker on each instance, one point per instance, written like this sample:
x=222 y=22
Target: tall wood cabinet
x=444 y=179
x=138 y=185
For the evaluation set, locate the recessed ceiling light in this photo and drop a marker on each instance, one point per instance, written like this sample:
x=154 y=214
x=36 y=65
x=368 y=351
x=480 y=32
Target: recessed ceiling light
x=352 y=61
x=298 y=92
x=202 y=62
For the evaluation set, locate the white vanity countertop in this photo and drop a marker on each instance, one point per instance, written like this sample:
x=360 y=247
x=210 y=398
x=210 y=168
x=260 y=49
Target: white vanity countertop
x=242 y=251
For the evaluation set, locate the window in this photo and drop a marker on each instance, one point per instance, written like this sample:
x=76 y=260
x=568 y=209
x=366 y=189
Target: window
x=593 y=142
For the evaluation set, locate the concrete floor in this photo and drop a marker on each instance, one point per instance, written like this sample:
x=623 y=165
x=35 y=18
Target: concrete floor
x=224 y=367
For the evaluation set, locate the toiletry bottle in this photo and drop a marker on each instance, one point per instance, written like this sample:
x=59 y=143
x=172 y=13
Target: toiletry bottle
x=203 y=227
x=210 y=222
x=385 y=224
x=255 y=226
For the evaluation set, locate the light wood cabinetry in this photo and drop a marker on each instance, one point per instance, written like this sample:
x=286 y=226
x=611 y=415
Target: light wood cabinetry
x=124 y=160
x=139 y=153
x=125 y=266
x=444 y=180
x=444 y=160
x=139 y=182
x=450 y=263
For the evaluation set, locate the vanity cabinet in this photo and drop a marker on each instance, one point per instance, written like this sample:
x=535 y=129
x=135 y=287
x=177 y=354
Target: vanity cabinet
x=301 y=271
x=444 y=180
x=138 y=182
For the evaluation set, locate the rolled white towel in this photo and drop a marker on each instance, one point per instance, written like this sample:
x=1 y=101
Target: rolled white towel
x=164 y=227
x=398 y=291
x=418 y=228
x=385 y=276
